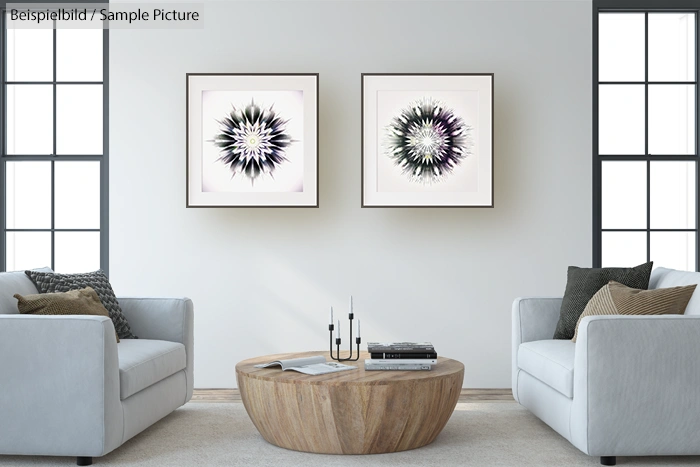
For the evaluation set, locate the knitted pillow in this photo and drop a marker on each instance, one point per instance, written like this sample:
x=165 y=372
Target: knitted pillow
x=76 y=302
x=47 y=282
x=583 y=283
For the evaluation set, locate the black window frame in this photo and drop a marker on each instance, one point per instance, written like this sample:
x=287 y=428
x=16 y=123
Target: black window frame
x=643 y=6
x=103 y=158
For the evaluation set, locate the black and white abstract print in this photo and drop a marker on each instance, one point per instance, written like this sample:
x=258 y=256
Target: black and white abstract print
x=252 y=140
x=427 y=140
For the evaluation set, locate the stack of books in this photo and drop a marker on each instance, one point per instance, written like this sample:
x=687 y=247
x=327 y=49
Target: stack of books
x=400 y=356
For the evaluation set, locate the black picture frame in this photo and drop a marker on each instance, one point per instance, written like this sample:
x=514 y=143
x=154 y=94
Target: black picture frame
x=311 y=200
x=489 y=157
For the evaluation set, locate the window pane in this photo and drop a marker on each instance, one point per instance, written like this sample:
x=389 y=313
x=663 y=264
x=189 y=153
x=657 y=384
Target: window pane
x=30 y=119
x=28 y=186
x=672 y=195
x=621 y=47
x=77 y=195
x=79 y=54
x=671 y=47
x=621 y=119
x=29 y=54
x=624 y=249
x=675 y=250
x=671 y=119
x=79 y=119
x=77 y=252
x=624 y=195
x=28 y=250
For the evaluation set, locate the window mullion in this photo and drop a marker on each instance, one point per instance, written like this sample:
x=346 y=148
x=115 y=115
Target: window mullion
x=597 y=160
x=104 y=160
x=53 y=212
x=82 y=83
x=646 y=129
x=3 y=144
x=53 y=164
x=697 y=143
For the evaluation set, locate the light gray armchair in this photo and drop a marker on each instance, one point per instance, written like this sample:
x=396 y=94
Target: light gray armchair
x=68 y=389
x=629 y=386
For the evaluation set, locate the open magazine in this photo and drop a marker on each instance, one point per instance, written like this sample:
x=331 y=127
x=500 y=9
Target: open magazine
x=308 y=365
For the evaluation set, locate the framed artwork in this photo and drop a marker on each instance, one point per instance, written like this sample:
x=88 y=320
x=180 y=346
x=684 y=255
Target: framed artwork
x=252 y=140
x=427 y=140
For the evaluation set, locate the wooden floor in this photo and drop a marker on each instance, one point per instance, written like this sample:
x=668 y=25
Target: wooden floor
x=468 y=395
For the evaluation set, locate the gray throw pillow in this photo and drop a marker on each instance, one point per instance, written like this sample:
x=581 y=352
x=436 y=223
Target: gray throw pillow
x=583 y=283
x=47 y=282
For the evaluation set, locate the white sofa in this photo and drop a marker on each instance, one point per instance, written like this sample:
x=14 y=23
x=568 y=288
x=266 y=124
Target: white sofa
x=629 y=386
x=68 y=389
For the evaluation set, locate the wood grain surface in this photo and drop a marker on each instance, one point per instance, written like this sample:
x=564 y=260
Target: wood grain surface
x=466 y=396
x=351 y=412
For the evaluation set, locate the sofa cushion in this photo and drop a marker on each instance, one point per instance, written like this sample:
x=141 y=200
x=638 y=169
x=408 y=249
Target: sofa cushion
x=550 y=361
x=662 y=278
x=144 y=362
x=12 y=283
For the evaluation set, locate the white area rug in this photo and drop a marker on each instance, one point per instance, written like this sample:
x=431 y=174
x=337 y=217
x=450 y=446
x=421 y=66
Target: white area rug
x=221 y=434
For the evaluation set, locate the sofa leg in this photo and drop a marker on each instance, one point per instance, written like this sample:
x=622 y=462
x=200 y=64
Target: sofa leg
x=88 y=461
x=608 y=460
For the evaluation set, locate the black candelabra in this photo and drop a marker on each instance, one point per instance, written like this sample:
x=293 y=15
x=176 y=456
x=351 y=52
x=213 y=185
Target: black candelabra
x=331 y=328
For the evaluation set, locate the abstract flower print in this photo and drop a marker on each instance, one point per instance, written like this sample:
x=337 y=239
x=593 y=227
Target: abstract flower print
x=427 y=140
x=252 y=141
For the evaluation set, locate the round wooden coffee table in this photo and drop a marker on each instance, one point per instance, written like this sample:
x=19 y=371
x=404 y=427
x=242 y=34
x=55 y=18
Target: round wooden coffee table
x=351 y=412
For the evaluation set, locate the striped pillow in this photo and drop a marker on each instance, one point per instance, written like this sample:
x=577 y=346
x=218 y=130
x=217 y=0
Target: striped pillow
x=618 y=299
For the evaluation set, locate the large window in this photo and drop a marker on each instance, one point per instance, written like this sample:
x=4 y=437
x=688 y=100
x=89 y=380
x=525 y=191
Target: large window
x=645 y=137
x=53 y=167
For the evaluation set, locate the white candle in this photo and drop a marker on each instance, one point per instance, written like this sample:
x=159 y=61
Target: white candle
x=331 y=321
x=358 y=328
x=337 y=331
x=350 y=303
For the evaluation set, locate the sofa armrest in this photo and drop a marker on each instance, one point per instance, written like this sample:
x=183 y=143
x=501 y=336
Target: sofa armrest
x=636 y=383
x=168 y=319
x=533 y=319
x=59 y=386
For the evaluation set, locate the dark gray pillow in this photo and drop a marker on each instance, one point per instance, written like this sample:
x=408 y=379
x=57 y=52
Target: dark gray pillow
x=48 y=282
x=583 y=283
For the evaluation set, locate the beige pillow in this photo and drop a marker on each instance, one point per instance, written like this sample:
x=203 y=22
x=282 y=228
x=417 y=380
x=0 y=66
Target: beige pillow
x=76 y=302
x=618 y=299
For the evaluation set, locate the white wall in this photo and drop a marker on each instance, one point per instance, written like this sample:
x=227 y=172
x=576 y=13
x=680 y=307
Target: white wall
x=262 y=279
